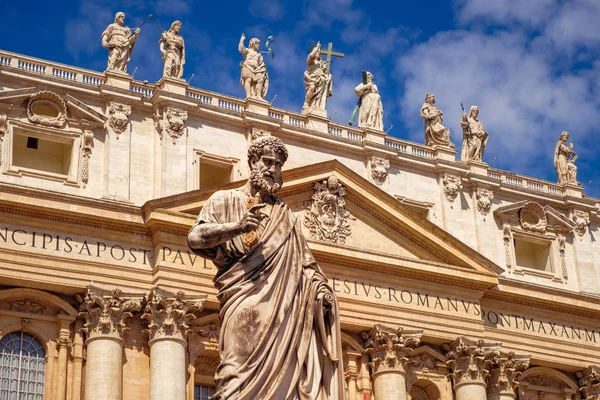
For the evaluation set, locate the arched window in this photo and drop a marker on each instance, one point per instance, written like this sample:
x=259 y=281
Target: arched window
x=202 y=392
x=22 y=362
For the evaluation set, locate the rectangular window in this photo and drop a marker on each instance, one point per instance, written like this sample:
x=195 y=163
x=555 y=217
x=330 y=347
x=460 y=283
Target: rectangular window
x=203 y=392
x=41 y=154
x=213 y=174
x=533 y=255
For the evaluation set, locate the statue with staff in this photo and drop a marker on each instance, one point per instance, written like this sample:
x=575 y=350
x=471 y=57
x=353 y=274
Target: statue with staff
x=318 y=79
x=254 y=76
x=119 y=41
x=369 y=107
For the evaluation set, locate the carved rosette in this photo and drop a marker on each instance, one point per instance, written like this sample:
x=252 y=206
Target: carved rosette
x=581 y=220
x=484 y=199
x=379 y=170
x=589 y=382
x=452 y=185
x=388 y=348
x=505 y=372
x=118 y=117
x=327 y=217
x=105 y=312
x=175 y=126
x=470 y=360
x=169 y=314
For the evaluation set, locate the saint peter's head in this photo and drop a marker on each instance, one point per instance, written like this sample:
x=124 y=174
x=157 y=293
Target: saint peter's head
x=266 y=156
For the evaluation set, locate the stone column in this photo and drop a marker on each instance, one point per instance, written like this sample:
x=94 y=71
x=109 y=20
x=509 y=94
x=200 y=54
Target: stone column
x=168 y=315
x=589 y=382
x=387 y=349
x=105 y=313
x=351 y=372
x=505 y=373
x=469 y=361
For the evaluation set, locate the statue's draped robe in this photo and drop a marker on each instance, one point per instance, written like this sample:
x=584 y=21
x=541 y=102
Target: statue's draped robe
x=566 y=169
x=319 y=85
x=371 y=109
x=254 y=69
x=122 y=40
x=278 y=340
x=174 y=55
x=436 y=134
x=474 y=140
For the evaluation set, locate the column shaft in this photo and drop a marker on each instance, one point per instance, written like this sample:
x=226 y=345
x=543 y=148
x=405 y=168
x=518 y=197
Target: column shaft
x=470 y=391
x=391 y=385
x=61 y=381
x=104 y=369
x=167 y=369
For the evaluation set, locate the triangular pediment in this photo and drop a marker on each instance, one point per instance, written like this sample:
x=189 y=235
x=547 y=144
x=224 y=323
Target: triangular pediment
x=384 y=230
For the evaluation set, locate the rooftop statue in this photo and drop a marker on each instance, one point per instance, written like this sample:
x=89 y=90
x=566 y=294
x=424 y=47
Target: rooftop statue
x=172 y=48
x=280 y=335
x=371 y=109
x=475 y=137
x=318 y=82
x=564 y=160
x=436 y=134
x=119 y=41
x=254 y=77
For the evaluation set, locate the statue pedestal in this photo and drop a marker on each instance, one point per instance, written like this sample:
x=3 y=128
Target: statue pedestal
x=478 y=167
x=173 y=85
x=374 y=135
x=573 y=190
x=117 y=79
x=257 y=106
x=317 y=122
x=318 y=112
x=444 y=153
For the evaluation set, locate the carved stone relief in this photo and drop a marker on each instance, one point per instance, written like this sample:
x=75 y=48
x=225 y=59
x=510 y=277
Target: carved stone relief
x=256 y=133
x=47 y=108
x=118 y=117
x=506 y=237
x=505 y=372
x=388 y=348
x=327 y=218
x=379 y=170
x=169 y=314
x=581 y=220
x=26 y=306
x=484 y=199
x=3 y=131
x=470 y=360
x=106 y=312
x=206 y=365
x=561 y=252
x=452 y=186
x=589 y=382
x=532 y=217
x=86 y=154
x=209 y=331
x=175 y=126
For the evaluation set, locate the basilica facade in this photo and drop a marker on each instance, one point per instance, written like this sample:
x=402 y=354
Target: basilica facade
x=455 y=280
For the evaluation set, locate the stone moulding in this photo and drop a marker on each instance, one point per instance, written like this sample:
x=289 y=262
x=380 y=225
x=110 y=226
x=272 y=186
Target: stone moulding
x=47 y=108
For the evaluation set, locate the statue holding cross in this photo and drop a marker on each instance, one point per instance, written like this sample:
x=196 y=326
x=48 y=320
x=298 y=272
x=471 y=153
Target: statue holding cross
x=318 y=80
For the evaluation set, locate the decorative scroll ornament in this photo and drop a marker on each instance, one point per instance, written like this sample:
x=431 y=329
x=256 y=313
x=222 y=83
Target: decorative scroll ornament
x=26 y=306
x=327 y=218
x=533 y=217
x=505 y=372
x=561 y=251
x=175 y=126
x=582 y=221
x=506 y=237
x=589 y=382
x=47 y=108
x=3 y=131
x=470 y=360
x=106 y=312
x=484 y=199
x=169 y=314
x=540 y=380
x=118 y=117
x=379 y=170
x=388 y=348
x=88 y=143
x=423 y=362
x=452 y=185
x=209 y=331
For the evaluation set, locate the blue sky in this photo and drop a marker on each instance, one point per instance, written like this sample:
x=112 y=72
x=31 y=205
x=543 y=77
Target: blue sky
x=532 y=67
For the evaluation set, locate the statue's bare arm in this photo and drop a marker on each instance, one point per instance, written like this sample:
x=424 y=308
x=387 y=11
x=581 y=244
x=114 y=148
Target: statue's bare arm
x=209 y=235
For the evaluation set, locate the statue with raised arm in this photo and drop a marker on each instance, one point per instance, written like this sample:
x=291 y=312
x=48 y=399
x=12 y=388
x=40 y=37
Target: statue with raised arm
x=119 y=41
x=280 y=329
x=371 y=110
x=172 y=48
x=436 y=134
x=564 y=160
x=254 y=77
x=475 y=137
x=318 y=82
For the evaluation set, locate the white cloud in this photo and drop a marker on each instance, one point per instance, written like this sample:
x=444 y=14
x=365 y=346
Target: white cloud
x=268 y=9
x=530 y=13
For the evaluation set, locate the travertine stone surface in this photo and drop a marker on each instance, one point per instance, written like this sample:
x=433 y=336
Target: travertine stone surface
x=119 y=40
x=436 y=134
x=103 y=371
x=475 y=137
x=254 y=78
x=505 y=370
x=172 y=47
x=371 y=110
x=318 y=82
x=564 y=160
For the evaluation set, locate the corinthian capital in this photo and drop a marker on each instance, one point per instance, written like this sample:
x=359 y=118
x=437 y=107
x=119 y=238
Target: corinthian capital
x=589 y=382
x=168 y=314
x=505 y=372
x=106 y=311
x=388 y=348
x=470 y=360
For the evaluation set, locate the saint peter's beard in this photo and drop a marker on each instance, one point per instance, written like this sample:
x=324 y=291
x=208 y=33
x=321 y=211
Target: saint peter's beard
x=258 y=181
